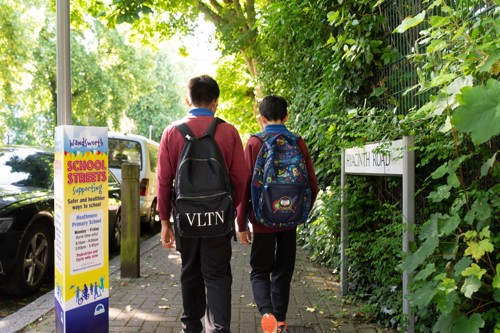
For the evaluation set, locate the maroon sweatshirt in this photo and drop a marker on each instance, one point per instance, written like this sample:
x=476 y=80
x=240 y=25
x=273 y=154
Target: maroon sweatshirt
x=171 y=145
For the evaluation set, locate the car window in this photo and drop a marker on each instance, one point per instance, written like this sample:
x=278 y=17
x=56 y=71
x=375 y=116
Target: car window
x=121 y=151
x=112 y=180
x=26 y=167
x=153 y=157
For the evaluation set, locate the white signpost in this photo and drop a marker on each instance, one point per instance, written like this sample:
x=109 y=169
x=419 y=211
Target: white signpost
x=395 y=159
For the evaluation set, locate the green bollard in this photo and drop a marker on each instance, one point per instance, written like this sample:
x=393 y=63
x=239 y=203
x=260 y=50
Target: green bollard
x=129 y=252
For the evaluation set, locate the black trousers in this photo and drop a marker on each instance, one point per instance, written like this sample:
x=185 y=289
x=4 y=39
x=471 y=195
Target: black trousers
x=206 y=280
x=273 y=261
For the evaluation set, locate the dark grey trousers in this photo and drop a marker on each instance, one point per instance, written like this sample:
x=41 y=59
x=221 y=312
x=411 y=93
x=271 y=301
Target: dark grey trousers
x=206 y=280
x=273 y=262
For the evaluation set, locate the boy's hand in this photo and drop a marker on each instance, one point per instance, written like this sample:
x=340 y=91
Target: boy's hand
x=245 y=237
x=167 y=235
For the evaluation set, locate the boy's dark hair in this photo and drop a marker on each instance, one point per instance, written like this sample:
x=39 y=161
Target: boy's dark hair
x=273 y=108
x=203 y=90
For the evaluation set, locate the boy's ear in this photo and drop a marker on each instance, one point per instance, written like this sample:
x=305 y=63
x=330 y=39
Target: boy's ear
x=188 y=102
x=285 y=119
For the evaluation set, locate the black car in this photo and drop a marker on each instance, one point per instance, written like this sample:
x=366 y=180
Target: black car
x=27 y=217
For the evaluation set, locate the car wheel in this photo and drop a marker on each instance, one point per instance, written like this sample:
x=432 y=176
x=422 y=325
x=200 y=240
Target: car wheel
x=153 y=216
x=115 y=235
x=33 y=262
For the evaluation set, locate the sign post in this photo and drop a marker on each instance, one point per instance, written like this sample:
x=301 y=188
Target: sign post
x=81 y=229
x=376 y=160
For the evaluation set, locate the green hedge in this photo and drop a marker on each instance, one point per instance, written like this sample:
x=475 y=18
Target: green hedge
x=328 y=67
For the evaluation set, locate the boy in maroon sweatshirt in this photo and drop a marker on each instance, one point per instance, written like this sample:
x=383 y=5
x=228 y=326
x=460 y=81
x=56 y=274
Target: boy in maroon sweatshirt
x=273 y=251
x=205 y=261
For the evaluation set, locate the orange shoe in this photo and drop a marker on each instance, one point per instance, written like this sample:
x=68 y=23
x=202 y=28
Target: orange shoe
x=269 y=323
x=282 y=327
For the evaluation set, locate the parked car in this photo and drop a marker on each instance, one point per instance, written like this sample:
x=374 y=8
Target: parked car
x=138 y=149
x=27 y=217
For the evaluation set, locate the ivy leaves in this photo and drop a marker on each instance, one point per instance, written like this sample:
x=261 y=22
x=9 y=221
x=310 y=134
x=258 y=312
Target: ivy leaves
x=410 y=22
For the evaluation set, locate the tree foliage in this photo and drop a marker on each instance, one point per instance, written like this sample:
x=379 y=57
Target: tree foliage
x=236 y=24
x=111 y=77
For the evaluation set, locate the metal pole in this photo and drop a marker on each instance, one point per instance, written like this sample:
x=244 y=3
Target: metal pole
x=344 y=285
x=63 y=64
x=408 y=219
x=150 y=131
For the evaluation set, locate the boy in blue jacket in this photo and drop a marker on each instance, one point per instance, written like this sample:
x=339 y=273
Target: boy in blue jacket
x=273 y=250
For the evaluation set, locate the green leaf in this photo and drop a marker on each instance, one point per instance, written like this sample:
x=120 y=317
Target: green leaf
x=446 y=303
x=430 y=228
x=496 y=295
x=474 y=270
x=442 y=79
x=477 y=250
x=470 y=286
x=447 y=285
x=442 y=170
x=424 y=273
x=458 y=84
x=470 y=234
x=488 y=165
x=333 y=16
x=458 y=204
x=378 y=91
x=447 y=225
x=496 y=280
x=441 y=193
x=410 y=22
x=479 y=211
x=453 y=180
x=462 y=265
x=468 y=325
x=479 y=111
x=444 y=323
x=147 y=10
x=439 y=21
x=436 y=46
x=417 y=258
x=379 y=2
x=424 y=295
x=490 y=62
x=449 y=249
x=485 y=233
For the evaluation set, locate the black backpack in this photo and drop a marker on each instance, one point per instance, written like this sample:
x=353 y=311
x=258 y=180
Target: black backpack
x=202 y=199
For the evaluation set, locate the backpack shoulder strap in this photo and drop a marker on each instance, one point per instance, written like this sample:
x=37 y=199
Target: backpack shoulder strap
x=291 y=138
x=269 y=138
x=186 y=132
x=213 y=126
x=263 y=136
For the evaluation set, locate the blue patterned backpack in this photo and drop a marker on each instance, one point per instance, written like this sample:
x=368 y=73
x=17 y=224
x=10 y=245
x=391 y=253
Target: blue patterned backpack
x=281 y=194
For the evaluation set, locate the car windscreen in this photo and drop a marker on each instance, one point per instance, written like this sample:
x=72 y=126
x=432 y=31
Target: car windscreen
x=121 y=151
x=26 y=167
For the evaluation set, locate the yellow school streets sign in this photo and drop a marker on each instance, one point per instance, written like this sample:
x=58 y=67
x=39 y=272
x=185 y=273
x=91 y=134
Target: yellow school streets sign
x=81 y=225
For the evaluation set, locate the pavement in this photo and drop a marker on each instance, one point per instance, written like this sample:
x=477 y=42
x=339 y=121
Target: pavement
x=153 y=302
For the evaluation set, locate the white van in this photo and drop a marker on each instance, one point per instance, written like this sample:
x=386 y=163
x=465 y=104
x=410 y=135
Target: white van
x=133 y=148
